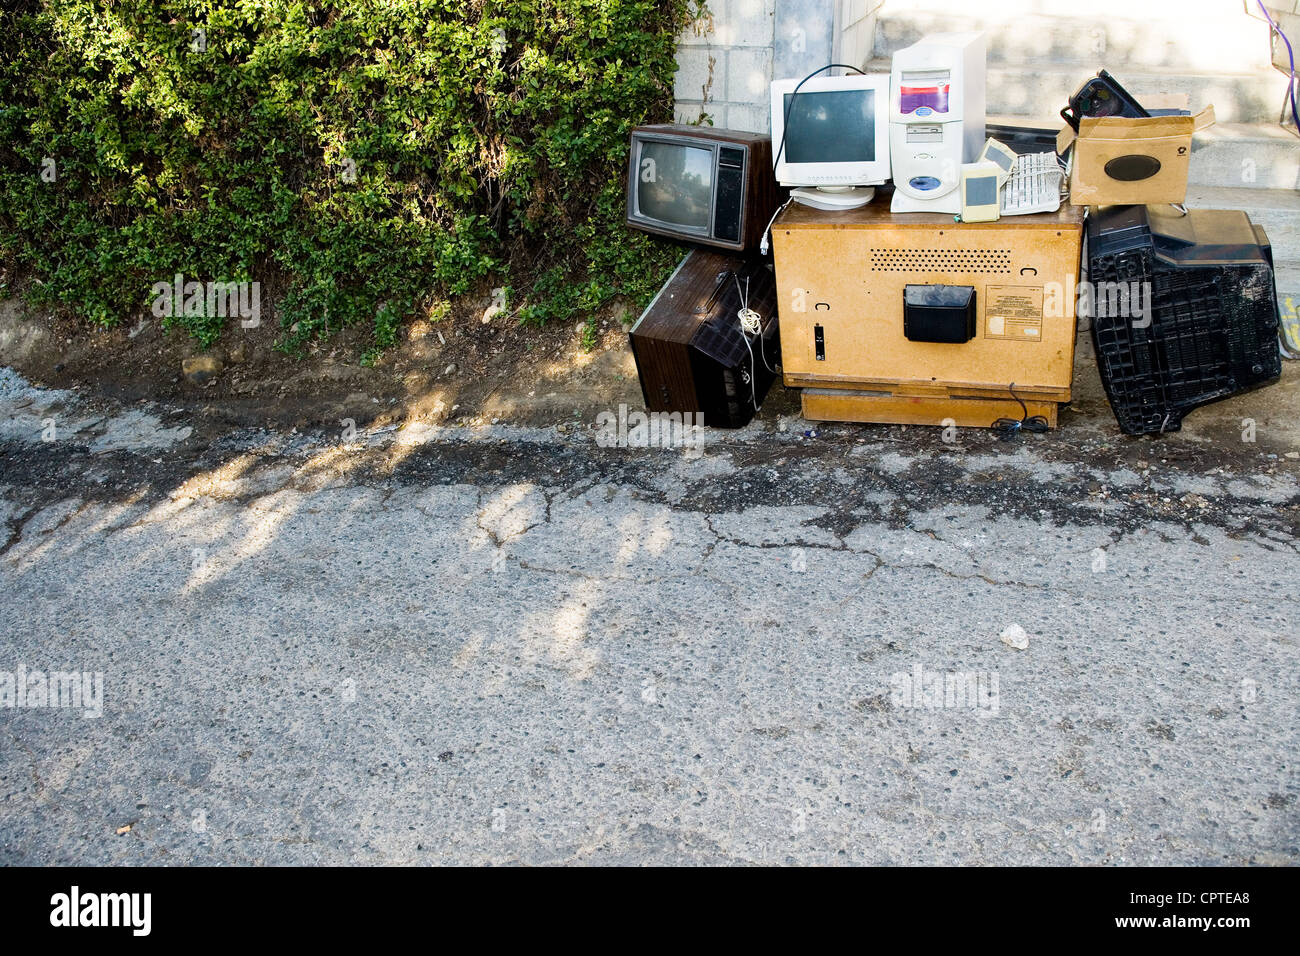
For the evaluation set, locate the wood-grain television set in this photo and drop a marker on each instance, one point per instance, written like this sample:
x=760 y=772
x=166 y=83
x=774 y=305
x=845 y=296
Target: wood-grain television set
x=712 y=187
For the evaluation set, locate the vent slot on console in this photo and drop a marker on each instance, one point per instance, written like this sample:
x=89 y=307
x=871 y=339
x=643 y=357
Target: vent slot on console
x=941 y=260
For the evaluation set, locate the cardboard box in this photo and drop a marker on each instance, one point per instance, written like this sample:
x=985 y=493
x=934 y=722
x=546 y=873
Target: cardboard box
x=1120 y=160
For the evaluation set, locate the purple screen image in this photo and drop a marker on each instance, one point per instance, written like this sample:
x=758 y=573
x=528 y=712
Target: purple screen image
x=912 y=97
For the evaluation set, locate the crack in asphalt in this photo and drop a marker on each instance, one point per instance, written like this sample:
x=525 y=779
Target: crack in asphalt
x=851 y=482
x=17 y=526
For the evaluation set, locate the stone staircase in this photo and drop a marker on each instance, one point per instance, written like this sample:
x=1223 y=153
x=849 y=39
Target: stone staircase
x=1040 y=51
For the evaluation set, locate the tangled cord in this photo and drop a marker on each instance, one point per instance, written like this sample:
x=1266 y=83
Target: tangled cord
x=1008 y=427
x=749 y=319
x=751 y=324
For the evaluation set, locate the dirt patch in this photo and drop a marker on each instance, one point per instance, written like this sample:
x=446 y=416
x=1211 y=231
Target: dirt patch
x=460 y=368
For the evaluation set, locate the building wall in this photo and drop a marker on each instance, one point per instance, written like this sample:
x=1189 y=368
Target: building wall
x=724 y=65
x=857 y=31
x=728 y=58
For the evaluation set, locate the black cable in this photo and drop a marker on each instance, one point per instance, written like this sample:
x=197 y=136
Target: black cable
x=785 y=122
x=1009 y=427
x=785 y=126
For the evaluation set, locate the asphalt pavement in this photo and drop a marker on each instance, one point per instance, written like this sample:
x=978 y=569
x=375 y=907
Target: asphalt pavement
x=439 y=644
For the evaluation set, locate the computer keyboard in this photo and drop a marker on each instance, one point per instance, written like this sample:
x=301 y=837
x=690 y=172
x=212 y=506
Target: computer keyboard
x=1034 y=185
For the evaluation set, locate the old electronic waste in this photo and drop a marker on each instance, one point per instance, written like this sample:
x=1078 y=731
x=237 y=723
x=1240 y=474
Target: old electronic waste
x=1127 y=160
x=843 y=281
x=1208 y=326
x=693 y=353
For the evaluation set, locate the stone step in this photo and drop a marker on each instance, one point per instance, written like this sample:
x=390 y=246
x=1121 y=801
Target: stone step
x=1042 y=90
x=1236 y=44
x=1197 y=11
x=1259 y=155
x=1277 y=210
x=1288 y=287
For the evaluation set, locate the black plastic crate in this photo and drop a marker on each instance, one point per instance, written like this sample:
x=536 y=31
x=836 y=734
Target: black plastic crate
x=1212 y=311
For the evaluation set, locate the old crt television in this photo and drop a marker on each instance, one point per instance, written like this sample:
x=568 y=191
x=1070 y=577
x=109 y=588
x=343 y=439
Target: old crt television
x=1208 y=326
x=692 y=353
x=835 y=131
x=708 y=186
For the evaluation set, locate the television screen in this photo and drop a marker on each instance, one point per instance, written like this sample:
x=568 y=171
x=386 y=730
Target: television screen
x=675 y=184
x=835 y=126
x=981 y=191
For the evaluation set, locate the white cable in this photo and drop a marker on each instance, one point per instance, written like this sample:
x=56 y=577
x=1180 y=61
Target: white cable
x=762 y=246
x=744 y=315
x=762 y=353
x=753 y=374
x=751 y=323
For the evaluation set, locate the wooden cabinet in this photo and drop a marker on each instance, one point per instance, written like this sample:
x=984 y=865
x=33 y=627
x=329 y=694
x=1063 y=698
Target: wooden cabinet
x=841 y=278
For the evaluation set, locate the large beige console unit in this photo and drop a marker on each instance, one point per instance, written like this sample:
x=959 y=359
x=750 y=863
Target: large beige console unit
x=913 y=318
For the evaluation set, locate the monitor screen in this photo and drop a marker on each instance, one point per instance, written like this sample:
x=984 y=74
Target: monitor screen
x=675 y=184
x=981 y=190
x=834 y=126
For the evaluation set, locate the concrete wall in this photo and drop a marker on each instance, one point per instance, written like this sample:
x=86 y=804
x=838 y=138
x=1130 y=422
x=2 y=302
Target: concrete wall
x=727 y=60
x=724 y=65
x=857 y=31
x=805 y=37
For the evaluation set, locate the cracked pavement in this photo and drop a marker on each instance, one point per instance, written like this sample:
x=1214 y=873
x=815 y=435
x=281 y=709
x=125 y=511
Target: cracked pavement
x=503 y=645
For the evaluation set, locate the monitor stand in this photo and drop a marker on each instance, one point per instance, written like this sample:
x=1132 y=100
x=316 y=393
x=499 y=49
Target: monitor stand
x=834 y=198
